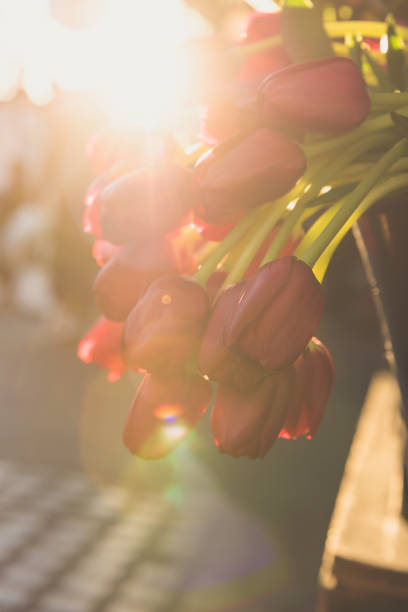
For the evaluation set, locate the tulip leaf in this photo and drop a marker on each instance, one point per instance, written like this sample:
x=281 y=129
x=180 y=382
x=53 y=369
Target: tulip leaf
x=396 y=62
x=355 y=52
x=401 y=123
x=382 y=79
x=304 y=37
x=332 y=196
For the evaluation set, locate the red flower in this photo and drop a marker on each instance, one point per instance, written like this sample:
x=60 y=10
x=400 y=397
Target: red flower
x=101 y=345
x=277 y=313
x=103 y=251
x=150 y=201
x=231 y=111
x=327 y=95
x=217 y=360
x=259 y=65
x=163 y=413
x=246 y=171
x=247 y=424
x=213 y=232
x=165 y=326
x=120 y=283
x=314 y=382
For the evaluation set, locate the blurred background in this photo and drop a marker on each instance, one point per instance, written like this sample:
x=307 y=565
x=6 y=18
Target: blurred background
x=67 y=69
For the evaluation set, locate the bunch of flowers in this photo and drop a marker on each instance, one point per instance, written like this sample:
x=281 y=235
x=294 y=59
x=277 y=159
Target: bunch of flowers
x=207 y=270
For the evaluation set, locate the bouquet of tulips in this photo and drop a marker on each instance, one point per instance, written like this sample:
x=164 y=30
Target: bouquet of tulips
x=212 y=258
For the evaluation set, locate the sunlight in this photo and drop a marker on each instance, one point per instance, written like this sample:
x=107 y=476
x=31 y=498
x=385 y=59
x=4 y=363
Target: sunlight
x=130 y=58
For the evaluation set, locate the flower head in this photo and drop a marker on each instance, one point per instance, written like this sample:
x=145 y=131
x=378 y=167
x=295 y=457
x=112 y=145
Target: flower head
x=150 y=201
x=246 y=171
x=164 y=328
x=314 y=382
x=327 y=95
x=122 y=280
x=247 y=424
x=163 y=413
x=102 y=345
x=218 y=360
x=276 y=313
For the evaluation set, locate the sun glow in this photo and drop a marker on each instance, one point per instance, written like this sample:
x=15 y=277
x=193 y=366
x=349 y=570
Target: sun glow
x=130 y=57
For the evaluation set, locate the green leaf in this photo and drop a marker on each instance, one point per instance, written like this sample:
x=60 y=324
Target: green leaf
x=401 y=123
x=379 y=74
x=354 y=51
x=332 y=196
x=396 y=62
x=304 y=37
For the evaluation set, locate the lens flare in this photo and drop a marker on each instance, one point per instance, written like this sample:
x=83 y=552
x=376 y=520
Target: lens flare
x=168 y=412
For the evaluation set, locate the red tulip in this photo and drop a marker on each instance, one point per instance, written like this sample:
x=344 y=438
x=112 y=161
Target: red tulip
x=277 y=313
x=231 y=111
x=121 y=282
x=327 y=95
x=93 y=202
x=214 y=233
x=314 y=382
x=217 y=360
x=102 y=345
x=150 y=201
x=247 y=424
x=103 y=251
x=163 y=413
x=246 y=171
x=165 y=326
x=259 y=65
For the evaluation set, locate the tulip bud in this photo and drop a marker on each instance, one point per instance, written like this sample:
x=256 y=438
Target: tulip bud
x=326 y=95
x=103 y=251
x=150 y=201
x=314 y=382
x=121 y=282
x=246 y=171
x=216 y=359
x=247 y=424
x=102 y=345
x=232 y=111
x=277 y=313
x=259 y=65
x=165 y=326
x=163 y=413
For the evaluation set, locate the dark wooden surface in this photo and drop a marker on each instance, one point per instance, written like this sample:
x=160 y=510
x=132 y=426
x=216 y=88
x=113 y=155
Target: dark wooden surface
x=365 y=561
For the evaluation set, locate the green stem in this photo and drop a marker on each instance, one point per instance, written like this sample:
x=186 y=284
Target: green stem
x=351 y=202
x=385 y=188
x=283 y=234
x=369 y=29
x=210 y=264
x=250 y=249
x=335 y=29
x=371 y=125
x=388 y=101
x=324 y=174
